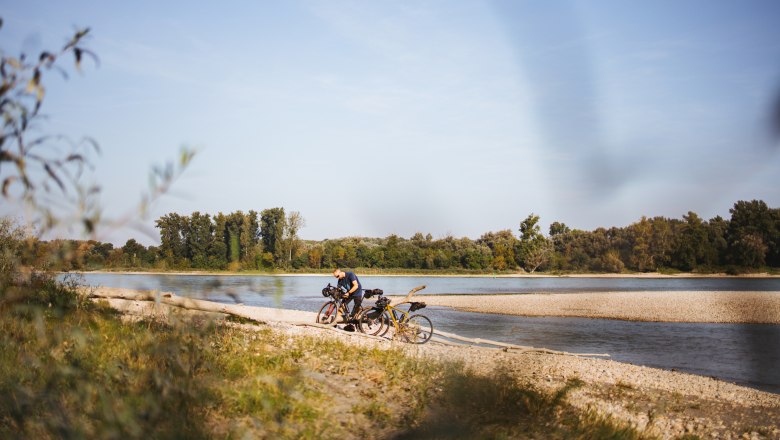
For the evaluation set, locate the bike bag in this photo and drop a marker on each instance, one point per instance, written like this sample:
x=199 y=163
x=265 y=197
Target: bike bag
x=368 y=293
x=417 y=306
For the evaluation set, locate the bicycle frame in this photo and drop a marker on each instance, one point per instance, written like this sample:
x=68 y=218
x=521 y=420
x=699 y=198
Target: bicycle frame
x=396 y=322
x=342 y=308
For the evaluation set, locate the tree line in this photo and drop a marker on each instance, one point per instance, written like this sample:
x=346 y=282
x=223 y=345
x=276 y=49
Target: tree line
x=749 y=240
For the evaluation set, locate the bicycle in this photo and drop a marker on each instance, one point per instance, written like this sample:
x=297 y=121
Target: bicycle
x=331 y=310
x=416 y=329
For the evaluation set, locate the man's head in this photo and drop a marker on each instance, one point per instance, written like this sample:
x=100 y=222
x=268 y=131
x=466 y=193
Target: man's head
x=338 y=273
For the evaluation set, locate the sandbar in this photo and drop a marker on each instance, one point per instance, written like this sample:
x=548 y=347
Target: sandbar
x=683 y=306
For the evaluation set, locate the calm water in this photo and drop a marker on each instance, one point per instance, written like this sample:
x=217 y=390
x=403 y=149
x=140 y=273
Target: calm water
x=748 y=354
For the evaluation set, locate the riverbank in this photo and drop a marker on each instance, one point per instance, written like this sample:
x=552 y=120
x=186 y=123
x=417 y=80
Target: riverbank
x=648 y=275
x=702 y=307
x=656 y=402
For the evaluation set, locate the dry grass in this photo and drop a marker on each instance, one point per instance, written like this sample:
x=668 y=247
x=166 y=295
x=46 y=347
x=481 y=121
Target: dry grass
x=73 y=369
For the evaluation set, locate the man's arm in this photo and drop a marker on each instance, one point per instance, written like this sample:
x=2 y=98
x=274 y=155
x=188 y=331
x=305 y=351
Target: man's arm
x=354 y=287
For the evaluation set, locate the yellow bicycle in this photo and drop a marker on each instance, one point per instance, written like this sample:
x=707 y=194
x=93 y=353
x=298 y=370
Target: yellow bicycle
x=416 y=329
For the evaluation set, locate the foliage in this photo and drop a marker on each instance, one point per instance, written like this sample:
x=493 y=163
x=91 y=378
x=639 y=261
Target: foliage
x=746 y=242
x=272 y=224
x=41 y=170
x=533 y=249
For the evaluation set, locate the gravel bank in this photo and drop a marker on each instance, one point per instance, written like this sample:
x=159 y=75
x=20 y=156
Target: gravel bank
x=661 y=403
x=715 y=307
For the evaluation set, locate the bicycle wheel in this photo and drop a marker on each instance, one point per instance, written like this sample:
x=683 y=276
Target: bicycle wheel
x=371 y=322
x=388 y=323
x=417 y=329
x=328 y=313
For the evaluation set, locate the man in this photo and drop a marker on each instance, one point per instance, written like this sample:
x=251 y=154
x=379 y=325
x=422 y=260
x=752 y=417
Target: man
x=350 y=281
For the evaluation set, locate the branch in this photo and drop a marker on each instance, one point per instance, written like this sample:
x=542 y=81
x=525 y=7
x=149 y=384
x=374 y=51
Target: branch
x=409 y=295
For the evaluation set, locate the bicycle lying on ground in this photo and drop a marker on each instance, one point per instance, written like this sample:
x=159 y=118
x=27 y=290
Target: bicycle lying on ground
x=378 y=320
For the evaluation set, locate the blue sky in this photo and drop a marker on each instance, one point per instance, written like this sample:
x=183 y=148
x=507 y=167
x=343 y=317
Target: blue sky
x=373 y=118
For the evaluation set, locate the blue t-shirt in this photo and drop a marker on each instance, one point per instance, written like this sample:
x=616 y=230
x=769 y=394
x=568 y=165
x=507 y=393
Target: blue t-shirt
x=346 y=283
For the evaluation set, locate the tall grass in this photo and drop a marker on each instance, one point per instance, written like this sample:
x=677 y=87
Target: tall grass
x=71 y=368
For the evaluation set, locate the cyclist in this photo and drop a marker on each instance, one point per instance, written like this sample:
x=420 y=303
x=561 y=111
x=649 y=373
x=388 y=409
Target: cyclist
x=350 y=282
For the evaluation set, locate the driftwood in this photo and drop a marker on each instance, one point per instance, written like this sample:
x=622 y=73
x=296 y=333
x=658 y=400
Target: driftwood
x=520 y=348
x=409 y=295
x=186 y=303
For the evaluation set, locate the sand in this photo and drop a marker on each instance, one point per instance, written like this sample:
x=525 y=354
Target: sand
x=666 y=404
x=714 y=307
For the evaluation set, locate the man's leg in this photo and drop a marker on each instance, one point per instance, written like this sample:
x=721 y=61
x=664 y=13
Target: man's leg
x=358 y=301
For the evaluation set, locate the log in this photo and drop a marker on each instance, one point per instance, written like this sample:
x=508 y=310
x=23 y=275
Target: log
x=186 y=303
x=520 y=348
x=409 y=295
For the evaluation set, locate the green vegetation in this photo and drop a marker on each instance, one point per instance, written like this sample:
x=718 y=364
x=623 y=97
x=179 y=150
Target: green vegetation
x=73 y=368
x=748 y=242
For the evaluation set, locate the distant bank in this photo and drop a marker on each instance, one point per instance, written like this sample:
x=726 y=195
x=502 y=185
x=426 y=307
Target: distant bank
x=435 y=274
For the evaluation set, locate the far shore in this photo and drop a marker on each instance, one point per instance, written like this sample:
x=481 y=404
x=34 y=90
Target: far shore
x=683 y=306
x=435 y=275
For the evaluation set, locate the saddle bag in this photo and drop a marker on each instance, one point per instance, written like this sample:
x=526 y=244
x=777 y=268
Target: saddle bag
x=368 y=293
x=417 y=306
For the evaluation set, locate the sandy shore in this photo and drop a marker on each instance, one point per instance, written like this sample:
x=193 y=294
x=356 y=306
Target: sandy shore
x=715 y=307
x=661 y=403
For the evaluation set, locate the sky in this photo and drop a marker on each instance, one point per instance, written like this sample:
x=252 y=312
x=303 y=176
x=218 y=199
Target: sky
x=445 y=117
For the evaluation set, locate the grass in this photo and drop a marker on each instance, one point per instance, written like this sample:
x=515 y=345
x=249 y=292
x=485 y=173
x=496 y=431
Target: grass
x=497 y=407
x=71 y=368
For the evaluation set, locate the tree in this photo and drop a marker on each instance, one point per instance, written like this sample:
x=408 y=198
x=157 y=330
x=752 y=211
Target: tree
x=692 y=243
x=502 y=244
x=557 y=228
x=295 y=222
x=534 y=249
x=199 y=237
x=751 y=221
x=272 y=223
x=134 y=253
x=218 y=250
x=250 y=236
x=717 y=245
x=750 y=250
x=233 y=228
x=172 y=242
x=640 y=235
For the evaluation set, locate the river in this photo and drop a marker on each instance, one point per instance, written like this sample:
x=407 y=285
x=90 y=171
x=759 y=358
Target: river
x=748 y=354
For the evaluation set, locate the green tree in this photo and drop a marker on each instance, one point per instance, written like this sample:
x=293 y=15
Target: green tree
x=557 y=228
x=754 y=229
x=173 y=247
x=640 y=235
x=233 y=226
x=692 y=243
x=502 y=244
x=717 y=244
x=534 y=249
x=272 y=223
x=250 y=237
x=295 y=222
x=134 y=253
x=218 y=248
x=200 y=235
